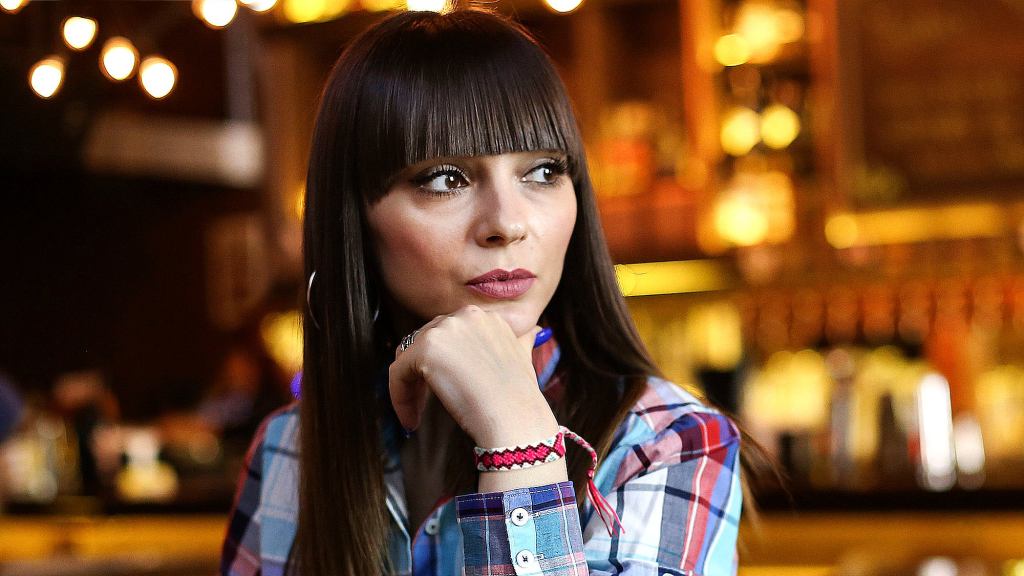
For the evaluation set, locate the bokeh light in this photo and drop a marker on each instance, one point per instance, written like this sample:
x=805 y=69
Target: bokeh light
x=119 y=58
x=258 y=5
x=756 y=23
x=47 y=76
x=79 y=32
x=157 y=76
x=741 y=131
x=841 y=231
x=426 y=5
x=732 y=50
x=215 y=13
x=563 y=6
x=740 y=221
x=12 y=6
x=779 y=126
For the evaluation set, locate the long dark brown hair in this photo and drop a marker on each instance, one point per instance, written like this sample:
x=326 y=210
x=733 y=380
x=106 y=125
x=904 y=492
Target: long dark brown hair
x=421 y=85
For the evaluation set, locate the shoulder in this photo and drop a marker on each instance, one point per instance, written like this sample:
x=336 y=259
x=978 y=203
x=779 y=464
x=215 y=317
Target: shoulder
x=275 y=439
x=279 y=431
x=669 y=425
x=665 y=408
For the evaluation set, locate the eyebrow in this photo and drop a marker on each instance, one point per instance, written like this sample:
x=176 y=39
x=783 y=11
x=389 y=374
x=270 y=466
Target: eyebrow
x=453 y=159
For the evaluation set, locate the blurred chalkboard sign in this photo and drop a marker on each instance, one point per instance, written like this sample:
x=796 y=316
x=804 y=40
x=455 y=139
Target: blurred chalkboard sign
x=937 y=90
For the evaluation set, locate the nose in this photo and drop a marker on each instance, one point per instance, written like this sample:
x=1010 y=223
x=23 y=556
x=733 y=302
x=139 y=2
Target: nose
x=502 y=215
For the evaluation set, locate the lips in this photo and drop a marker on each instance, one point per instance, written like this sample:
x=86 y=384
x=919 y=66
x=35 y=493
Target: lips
x=503 y=284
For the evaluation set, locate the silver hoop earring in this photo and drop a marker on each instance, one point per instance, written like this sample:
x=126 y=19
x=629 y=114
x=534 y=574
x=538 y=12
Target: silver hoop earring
x=376 y=307
x=309 y=303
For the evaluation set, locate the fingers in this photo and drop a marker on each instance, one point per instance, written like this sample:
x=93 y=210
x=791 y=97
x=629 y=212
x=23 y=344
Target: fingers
x=408 y=393
x=450 y=351
x=409 y=390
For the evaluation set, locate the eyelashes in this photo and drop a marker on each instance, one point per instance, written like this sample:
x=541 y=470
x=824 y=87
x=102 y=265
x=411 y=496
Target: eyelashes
x=443 y=180
x=449 y=180
x=558 y=166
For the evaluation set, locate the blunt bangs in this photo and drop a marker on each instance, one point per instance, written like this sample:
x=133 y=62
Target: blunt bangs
x=456 y=84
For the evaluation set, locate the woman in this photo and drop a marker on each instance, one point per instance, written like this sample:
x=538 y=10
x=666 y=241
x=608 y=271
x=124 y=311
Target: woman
x=449 y=215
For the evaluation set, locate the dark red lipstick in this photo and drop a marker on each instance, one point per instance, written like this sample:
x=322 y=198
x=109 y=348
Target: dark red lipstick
x=503 y=284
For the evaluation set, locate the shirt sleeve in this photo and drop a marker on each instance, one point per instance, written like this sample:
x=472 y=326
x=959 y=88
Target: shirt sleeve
x=677 y=495
x=240 y=555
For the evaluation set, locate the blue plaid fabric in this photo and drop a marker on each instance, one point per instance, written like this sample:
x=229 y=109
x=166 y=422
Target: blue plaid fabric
x=672 y=476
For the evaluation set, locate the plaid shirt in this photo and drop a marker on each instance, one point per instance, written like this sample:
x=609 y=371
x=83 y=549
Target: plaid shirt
x=672 y=476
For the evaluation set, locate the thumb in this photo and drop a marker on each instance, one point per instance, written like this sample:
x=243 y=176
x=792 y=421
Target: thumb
x=529 y=340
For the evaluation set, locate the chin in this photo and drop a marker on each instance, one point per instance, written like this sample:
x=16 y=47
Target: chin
x=521 y=321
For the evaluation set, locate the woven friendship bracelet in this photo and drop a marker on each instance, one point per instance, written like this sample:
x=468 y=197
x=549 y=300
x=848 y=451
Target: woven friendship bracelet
x=516 y=457
x=548 y=450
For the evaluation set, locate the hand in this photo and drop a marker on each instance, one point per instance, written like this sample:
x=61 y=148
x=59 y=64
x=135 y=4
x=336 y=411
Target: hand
x=482 y=374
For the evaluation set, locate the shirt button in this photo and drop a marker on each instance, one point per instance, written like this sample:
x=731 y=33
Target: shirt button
x=432 y=527
x=525 y=559
x=520 y=516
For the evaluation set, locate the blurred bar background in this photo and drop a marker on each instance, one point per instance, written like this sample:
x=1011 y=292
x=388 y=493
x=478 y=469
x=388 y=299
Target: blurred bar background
x=816 y=207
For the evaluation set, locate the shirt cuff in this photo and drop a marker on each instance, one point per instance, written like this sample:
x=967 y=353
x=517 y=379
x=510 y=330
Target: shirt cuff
x=526 y=531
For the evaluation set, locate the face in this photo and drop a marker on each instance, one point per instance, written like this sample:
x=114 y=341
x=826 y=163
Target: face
x=485 y=230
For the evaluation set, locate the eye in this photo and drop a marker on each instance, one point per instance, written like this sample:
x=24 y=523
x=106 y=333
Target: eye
x=547 y=173
x=442 y=180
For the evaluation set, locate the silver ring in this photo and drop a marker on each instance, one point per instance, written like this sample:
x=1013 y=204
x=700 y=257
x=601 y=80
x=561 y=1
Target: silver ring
x=408 y=340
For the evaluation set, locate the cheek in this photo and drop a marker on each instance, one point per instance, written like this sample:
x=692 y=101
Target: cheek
x=409 y=251
x=562 y=225
x=407 y=246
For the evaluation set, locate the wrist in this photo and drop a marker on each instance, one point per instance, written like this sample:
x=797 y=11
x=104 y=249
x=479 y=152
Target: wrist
x=538 y=475
x=529 y=428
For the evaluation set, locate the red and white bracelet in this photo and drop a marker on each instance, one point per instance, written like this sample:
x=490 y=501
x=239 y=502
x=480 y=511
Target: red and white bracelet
x=516 y=457
x=548 y=450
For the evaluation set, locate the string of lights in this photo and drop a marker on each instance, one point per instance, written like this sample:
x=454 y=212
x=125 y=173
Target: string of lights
x=119 y=58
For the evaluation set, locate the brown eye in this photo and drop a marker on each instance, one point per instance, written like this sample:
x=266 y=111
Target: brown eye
x=546 y=173
x=445 y=179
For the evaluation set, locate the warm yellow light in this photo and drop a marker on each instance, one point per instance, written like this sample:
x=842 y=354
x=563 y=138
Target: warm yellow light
x=563 y=6
x=157 y=76
x=779 y=126
x=757 y=24
x=790 y=392
x=677 y=277
x=118 y=58
x=740 y=221
x=79 y=32
x=790 y=25
x=301 y=11
x=282 y=337
x=908 y=225
x=215 y=13
x=47 y=76
x=741 y=131
x=841 y=231
x=258 y=5
x=732 y=50
x=12 y=6
x=714 y=335
x=426 y=5
x=382 y=5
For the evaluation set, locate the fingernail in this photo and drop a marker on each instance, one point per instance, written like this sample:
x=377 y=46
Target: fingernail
x=542 y=337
